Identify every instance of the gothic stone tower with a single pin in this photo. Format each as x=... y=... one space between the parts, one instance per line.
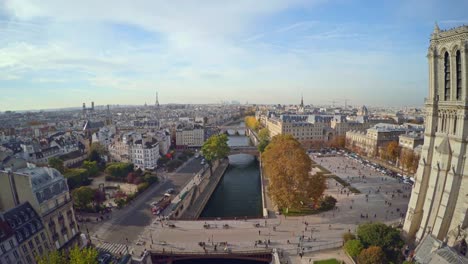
x=439 y=200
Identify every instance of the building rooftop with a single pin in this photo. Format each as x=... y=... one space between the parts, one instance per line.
x=46 y=182
x=24 y=220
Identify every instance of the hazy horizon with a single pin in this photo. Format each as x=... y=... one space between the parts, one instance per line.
x=59 y=54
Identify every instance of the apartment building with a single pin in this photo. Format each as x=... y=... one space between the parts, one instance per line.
x=47 y=191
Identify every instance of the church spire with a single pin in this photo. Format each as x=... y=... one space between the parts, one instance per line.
x=302 y=100
x=157 y=101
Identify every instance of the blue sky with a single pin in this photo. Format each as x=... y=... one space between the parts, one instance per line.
x=60 y=53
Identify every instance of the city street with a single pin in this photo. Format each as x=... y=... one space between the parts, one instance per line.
x=129 y=222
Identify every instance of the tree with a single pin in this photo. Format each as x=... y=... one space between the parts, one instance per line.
x=372 y=255
x=264 y=139
x=57 y=164
x=96 y=152
x=86 y=255
x=91 y=167
x=54 y=257
x=348 y=236
x=76 y=178
x=338 y=141
x=119 y=169
x=82 y=197
x=353 y=247
x=287 y=167
x=392 y=150
x=383 y=236
x=317 y=187
x=215 y=148
x=252 y=123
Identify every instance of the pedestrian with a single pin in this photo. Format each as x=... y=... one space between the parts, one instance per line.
x=258 y=232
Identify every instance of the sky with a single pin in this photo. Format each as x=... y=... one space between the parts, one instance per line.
x=61 y=53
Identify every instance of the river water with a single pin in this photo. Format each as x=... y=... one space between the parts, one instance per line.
x=238 y=193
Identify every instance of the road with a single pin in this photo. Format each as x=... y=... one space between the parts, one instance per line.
x=129 y=222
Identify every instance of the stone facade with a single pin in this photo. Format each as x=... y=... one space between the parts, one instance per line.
x=439 y=201
x=29 y=233
x=47 y=192
x=190 y=137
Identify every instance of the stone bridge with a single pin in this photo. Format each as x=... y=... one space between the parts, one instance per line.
x=251 y=150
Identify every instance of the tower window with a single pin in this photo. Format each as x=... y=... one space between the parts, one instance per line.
x=447 y=76
x=455 y=125
x=459 y=76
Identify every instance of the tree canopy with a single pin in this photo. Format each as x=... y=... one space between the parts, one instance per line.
x=91 y=167
x=119 y=169
x=252 y=122
x=96 y=151
x=57 y=164
x=372 y=255
x=216 y=147
x=76 y=177
x=385 y=237
x=264 y=138
x=353 y=247
x=76 y=255
x=82 y=196
x=287 y=167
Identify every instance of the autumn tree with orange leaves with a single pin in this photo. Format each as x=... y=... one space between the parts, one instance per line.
x=287 y=167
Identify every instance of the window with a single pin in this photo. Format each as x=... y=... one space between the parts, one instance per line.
x=459 y=76
x=40 y=250
x=447 y=76
x=12 y=245
x=28 y=259
x=43 y=236
x=455 y=126
x=37 y=240
x=31 y=245
x=2 y=247
x=25 y=249
x=15 y=253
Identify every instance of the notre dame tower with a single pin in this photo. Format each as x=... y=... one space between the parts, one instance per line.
x=439 y=200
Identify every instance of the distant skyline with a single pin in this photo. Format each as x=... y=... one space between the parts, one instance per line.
x=60 y=53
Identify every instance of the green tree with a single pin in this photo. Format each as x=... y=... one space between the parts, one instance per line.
x=76 y=178
x=86 y=255
x=264 y=134
x=264 y=139
x=96 y=152
x=82 y=197
x=287 y=167
x=348 y=236
x=54 y=257
x=91 y=167
x=57 y=164
x=353 y=247
x=119 y=169
x=372 y=255
x=215 y=148
x=383 y=236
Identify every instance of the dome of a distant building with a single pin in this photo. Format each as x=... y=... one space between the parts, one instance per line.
x=363 y=111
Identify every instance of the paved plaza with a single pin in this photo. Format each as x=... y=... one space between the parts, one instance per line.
x=379 y=200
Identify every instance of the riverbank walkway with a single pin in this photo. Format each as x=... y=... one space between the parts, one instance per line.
x=199 y=203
